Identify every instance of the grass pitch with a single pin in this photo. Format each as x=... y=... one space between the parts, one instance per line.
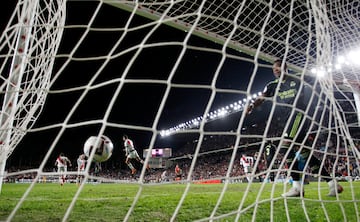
x=159 y=202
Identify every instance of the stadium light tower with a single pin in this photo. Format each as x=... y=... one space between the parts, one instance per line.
x=342 y=62
x=222 y=112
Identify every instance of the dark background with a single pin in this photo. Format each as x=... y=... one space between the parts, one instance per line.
x=137 y=103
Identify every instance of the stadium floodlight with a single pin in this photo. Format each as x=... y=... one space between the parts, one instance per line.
x=321 y=72
x=222 y=112
x=337 y=66
x=353 y=56
x=341 y=59
x=350 y=58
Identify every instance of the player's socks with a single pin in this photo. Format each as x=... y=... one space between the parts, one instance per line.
x=131 y=167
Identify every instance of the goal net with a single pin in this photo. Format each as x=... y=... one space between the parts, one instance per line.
x=181 y=75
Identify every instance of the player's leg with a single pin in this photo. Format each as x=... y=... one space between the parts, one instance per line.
x=64 y=174
x=79 y=177
x=297 y=187
x=141 y=161
x=315 y=164
x=61 y=175
x=248 y=173
x=128 y=162
x=272 y=174
x=269 y=156
x=138 y=157
x=334 y=187
x=292 y=134
x=78 y=180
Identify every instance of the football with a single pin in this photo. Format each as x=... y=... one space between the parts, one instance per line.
x=340 y=189
x=103 y=145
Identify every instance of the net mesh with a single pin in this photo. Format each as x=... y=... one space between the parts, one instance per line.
x=143 y=68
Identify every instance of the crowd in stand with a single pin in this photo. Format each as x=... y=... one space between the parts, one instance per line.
x=214 y=160
x=216 y=152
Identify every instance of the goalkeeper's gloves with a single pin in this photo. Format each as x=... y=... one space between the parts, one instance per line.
x=250 y=108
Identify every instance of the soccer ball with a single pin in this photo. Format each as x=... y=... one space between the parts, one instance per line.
x=104 y=148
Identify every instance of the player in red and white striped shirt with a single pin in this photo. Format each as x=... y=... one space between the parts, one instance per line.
x=81 y=163
x=131 y=153
x=62 y=162
x=247 y=163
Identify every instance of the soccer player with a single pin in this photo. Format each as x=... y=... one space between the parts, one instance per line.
x=81 y=163
x=62 y=162
x=163 y=176
x=131 y=153
x=270 y=150
x=178 y=172
x=290 y=93
x=246 y=163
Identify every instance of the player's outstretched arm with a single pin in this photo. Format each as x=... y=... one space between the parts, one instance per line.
x=257 y=102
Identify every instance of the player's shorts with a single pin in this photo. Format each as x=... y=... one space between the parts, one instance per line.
x=298 y=128
x=247 y=169
x=133 y=154
x=298 y=132
x=62 y=169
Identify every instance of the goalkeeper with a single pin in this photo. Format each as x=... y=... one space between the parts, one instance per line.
x=289 y=93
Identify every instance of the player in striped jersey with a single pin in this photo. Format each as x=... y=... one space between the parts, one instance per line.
x=131 y=153
x=81 y=164
x=62 y=162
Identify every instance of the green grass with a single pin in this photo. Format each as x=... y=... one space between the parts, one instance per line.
x=111 y=202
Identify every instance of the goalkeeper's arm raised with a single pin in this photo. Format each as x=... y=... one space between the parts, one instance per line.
x=257 y=102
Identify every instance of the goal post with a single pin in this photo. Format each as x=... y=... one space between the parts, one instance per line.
x=357 y=103
x=74 y=69
x=212 y=30
x=26 y=69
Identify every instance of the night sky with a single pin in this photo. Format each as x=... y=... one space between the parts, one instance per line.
x=137 y=103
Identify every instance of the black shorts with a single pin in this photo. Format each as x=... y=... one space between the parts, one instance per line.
x=298 y=128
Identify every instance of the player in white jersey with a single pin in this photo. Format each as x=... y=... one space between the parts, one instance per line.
x=81 y=164
x=62 y=162
x=163 y=176
x=246 y=162
x=131 y=153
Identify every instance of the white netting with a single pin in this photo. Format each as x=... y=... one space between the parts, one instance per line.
x=28 y=46
x=145 y=68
